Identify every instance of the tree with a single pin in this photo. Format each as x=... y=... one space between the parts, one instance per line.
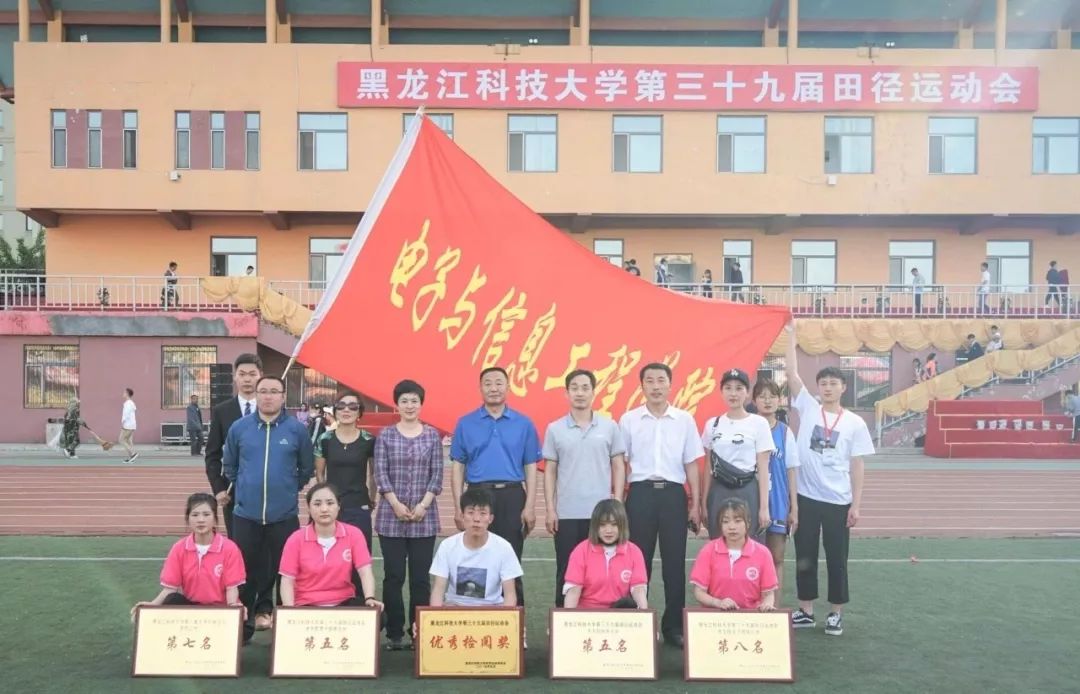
x=28 y=257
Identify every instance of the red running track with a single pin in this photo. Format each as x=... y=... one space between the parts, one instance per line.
x=113 y=500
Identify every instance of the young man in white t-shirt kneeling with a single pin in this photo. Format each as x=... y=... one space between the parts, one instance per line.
x=475 y=568
x=831 y=443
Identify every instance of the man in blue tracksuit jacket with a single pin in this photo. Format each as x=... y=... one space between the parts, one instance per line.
x=267 y=459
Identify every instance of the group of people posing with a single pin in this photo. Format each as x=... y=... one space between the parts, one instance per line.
x=613 y=492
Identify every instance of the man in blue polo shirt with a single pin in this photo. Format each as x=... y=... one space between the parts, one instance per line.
x=497 y=448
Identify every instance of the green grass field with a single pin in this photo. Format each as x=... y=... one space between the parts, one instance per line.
x=998 y=624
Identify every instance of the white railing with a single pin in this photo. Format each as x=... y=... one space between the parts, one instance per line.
x=38 y=292
x=305 y=293
x=896 y=301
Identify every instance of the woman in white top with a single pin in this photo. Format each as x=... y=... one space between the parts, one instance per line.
x=739 y=445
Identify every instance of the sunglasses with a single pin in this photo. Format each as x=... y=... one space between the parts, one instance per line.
x=351 y=406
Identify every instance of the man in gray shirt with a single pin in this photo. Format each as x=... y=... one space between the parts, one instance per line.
x=584 y=464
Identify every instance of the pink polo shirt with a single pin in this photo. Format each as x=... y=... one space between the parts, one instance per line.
x=324 y=580
x=744 y=581
x=203 y=580
x=604 y=581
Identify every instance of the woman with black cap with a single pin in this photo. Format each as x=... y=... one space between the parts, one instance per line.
x=738 y=444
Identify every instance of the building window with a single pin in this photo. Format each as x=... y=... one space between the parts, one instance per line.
x=1010 y=266
x=1055 y=146
x=445 y=121
x=532 y=143
x=252 y=123
x=849 y=145
x=1 y=187
x=217 y=139
x=740 y=252
x=50 y=375
x=324 y=259
x=303 y=385
x=813 y=263
x=869 y=379
x=740 y=144
x=231 y=255
x=907 y=255
x=93 y=139
x=953 y=145
x=183 y=139
x=324 y=141
x=185 y=370
x=1 y=153
x=610 y=250
x=59 y=139
x=31 y=225
x=637 y=144
x=131 y=139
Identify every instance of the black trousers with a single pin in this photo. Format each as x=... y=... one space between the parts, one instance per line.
x=571 y=533
x=829 y=522
x=509 y=503
x=261 y=545
x=399 y=554
x=196 y=442
x=359 y=518
x=227 y=515
x=918 y=302
x=658 y=511
x=1076 y=428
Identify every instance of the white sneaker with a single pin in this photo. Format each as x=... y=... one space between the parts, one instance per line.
x=834 y=624
x=132 y=458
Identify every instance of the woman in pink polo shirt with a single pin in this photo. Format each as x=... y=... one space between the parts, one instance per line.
x=318 y=559
x=204 y=568
x=733 y=572
x=606 y=570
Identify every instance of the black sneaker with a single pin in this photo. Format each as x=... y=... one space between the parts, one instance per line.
x=801 y=619
x=834 y=624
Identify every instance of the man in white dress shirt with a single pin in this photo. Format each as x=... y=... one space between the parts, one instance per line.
x=663 y=449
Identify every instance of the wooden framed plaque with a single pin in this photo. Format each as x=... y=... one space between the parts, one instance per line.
x=338 y=642
x=471 y=642
x=740 y=645
x=602 y=644
x=187 y=641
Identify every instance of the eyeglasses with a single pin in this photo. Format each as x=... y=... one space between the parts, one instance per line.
x=270 y=392
x=351 y=406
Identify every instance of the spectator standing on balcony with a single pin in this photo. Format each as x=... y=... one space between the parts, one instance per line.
x=632 y=268
x=918 y=286
x=127 y=425
x=736 y=281
x=195 y=425
x=995 y=342
x=973 y=350
x=919 y=374
x=662 y=276
x=1072 y=408
x=169 y=294
x=984 y=289
x=1053 y=281
x=706 y=284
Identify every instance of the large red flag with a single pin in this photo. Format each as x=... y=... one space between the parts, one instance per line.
x=449 y=273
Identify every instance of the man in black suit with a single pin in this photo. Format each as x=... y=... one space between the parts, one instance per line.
x=247 y=370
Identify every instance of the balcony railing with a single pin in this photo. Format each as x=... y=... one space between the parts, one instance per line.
x=39 y=292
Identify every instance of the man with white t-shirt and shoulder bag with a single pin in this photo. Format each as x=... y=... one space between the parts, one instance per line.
x=831 y=444
x=739 y=445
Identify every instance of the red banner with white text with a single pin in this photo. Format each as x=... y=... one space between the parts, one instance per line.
x=448 y=273
x=605 y=86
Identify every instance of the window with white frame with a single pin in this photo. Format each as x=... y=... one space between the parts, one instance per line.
x=182 y=160
x=637 y=144
x=953 y=145
x=532 y=143
x=324 y=259
x=740 y=144
x=1055 y=146
x=445 y=122
x=217 y=139
x=610 y=250
x=740 y=252
x=849 y=145
x=131 y=139
x=231 y=255
x=93 y=139
x=323 y=141
x=252 y=140
x=1010 y=266
x=59 y=139
x=906 y=255
x=813 y=263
